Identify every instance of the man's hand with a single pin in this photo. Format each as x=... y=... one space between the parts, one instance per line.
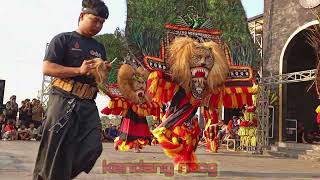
x=107 y=66
x=86 y=66
x=59 y=71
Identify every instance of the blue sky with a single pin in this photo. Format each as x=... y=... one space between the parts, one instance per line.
x=253 y=7
x=26 y=27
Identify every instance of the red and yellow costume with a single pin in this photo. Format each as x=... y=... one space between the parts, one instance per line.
x=192 y=72
x=196 y=71
x=133 y=105
x=318 y=115
x=134 y=128
x=248 y=129
x=178 y=133
x=211 y=129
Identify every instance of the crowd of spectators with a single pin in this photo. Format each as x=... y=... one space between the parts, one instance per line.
x=21 y=123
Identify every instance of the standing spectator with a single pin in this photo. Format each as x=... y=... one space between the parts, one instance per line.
x=23 y=113
x=28 y=110
x=11 y=110
x=37 y=112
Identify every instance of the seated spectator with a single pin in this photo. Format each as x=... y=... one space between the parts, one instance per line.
x=223 y=130
x=40 y=131
x=233 y=127
x=33 y=131
x=105 y=135
x=24 y=133
x=108 y=127
x=113 y=132
x=9 y=132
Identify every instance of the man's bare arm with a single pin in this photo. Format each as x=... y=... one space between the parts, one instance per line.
x=56 y=70
x=59 y=71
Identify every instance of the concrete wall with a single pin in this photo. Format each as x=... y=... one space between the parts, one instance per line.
x=281 y=19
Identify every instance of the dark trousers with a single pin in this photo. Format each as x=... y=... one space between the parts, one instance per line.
x=65 y=152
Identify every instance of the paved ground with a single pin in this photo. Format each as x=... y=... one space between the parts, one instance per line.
x=17 y=161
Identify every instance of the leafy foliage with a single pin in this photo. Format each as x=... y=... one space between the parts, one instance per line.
x=199 y=5
x=146 y=19
x=115 y=46
x=145 y=25
x=230 y=17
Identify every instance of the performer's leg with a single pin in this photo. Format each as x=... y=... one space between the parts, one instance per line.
x=87 y=153
x=52 y=160
x=89 y=145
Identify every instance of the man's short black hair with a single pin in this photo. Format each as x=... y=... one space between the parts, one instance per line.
x=96 y=7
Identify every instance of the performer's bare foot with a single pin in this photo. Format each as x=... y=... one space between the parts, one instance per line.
x=116 y=148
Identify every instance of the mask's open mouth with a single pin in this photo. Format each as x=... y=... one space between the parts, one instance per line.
x=199 y=72
x=140 y=93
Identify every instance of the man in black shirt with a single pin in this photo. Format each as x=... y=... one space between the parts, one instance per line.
x=28 y=112
x=23 y=113
x=11 y=110
x=71 y=139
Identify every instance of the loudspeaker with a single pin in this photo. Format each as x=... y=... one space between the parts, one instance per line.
x=2 y=85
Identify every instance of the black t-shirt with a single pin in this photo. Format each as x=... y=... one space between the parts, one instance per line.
x=70 y=49
x=22 y=114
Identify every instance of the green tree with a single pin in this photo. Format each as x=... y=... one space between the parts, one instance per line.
x=146 y=19
x=115 y=45
x=145 y=25
x=200 y=5
x=230 y=17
